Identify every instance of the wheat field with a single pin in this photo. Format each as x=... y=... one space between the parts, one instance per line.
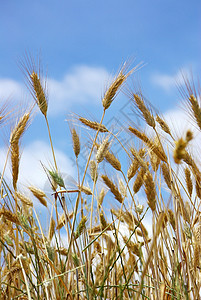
x=103 y=247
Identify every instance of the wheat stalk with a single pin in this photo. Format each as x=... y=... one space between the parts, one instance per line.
x=39 y=194
x=113 y=188
x=94 y=125
x=40 y=96
x=145 y=112
x=149 y=143
x=76 y=142
x=150 y=190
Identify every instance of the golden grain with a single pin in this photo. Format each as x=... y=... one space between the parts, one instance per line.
x=179 y=151
x=40 y=96
x=166 y=175
x=93 y=125
x=80 y=227
x=189 y=182
x=150 y=191
x=39 y=194
x=113 y=188
x=111 y=158
x=171 y=217
x=93 y=170
x=164 y=126
x=101 y=197
x=62 y=220
x=76 y=142
x=9 y=216
x=51 y=229
x=195 y=109
x=139 y=181
x=145 y=112
x=102 y=149
x=160 y=153
x=24 y=199
x=112 y=90
x=122 y=188
x=142 y=162
x=15 y=136
x=103 y=221
x=132 y=169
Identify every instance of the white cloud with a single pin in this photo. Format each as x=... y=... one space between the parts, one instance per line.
x=31 y=168
x=31 y=171
x=82 y=85
x=179 y=122
x=166 y=81
x=10 y=88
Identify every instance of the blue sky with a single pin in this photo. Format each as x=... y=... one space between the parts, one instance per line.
x=81 y=44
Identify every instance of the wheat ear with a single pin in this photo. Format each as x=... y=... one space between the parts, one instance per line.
x=93 y=125
x=16 y=134
x=113 y=188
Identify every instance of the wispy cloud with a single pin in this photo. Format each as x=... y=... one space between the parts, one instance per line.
x=166 y=81
x=81 y=85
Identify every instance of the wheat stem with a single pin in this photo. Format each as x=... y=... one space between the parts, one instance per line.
x=51 y=144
